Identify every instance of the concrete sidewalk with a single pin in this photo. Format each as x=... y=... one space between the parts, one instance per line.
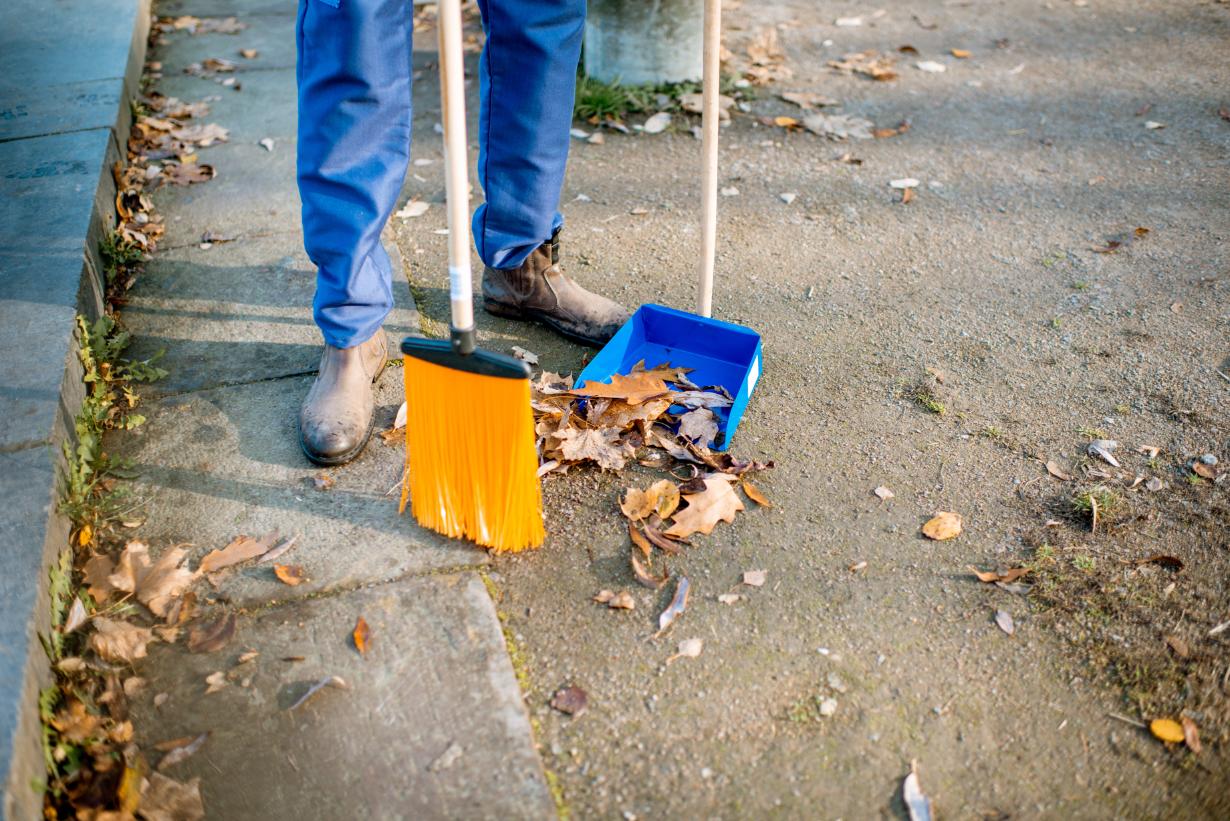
x=432 y=723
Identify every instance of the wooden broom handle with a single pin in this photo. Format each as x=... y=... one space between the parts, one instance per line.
x=456 y=182
x=709 y=150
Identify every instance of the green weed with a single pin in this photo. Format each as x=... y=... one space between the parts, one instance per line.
x=1084 y=562
x=1091 y=433
x=119 y=256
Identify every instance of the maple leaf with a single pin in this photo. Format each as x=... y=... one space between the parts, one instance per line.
x=155 y=584
x=623 y=415
x=716 y=503
x=164 y=799
x=633 y=388
x=600 y=445
x=119 y=641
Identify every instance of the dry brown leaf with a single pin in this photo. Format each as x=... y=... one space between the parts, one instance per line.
x=639 y=540
x=1058 y=472
x=211 y=636
x=755 y=495
x=97 y=573
x=119 y=641
x=807 y=100
x=602 y=446
x=622 y=601
x=187 y=173
x=1008 y=576
x=241 y=549
x=603 y=596
x=868 y=63
x=664 y=544
x=717 y=503
x=1168 y=730
x=249 y=53
x=622 y=415
x=636 y=504
x=1168 y=562
x=291 y=574
x=699 y=426
x=165 y=799
x=633 y=388
x=76 y=723
x=644 y=578
x=570 y=700
x=76 y=616
x=1191 y=735
x=157 y=584
x=362 y=636
x=1179 y=646
x=944 y=525
x=179 y=749
x=1204 y=471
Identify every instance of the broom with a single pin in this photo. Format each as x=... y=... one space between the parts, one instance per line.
x=471 y=463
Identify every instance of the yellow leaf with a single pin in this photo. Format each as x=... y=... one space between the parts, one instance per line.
x=786 y=122
x=1167 y=729
x=944 y=525
x=960 y=53
x=84 y=537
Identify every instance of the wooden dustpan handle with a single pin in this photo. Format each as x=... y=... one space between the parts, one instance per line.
x=709 y=151
x=457 y=187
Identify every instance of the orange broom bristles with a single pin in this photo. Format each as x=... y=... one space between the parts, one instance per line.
x=471 y=464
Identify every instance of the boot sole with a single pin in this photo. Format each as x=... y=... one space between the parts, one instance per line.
x=353 y=453
x=505 y=312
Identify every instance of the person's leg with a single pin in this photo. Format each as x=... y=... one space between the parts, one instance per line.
x=354 y=72
x=354 y=69
x=527 y=80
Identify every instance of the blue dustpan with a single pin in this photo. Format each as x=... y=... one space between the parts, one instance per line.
x=718 y=352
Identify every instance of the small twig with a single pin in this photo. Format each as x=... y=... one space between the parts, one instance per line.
x=1127 y=720
x=1221 y=628
x=1223 y=376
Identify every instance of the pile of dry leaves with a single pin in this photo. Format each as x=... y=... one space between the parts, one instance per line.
x=130 y=601
x=662 y=420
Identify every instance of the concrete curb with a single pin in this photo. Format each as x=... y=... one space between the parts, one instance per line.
x=66 y=78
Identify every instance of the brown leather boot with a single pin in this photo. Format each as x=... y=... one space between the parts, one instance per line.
x=336 y=419
x=539 y=291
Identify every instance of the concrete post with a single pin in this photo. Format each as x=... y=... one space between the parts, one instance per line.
x=639 y=42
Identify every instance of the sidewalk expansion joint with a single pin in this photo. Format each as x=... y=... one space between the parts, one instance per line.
x=214 y=386
x=343 y=590
x=16 y=447
x=58 y=132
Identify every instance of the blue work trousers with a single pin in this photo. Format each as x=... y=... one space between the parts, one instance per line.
x=354 y=71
